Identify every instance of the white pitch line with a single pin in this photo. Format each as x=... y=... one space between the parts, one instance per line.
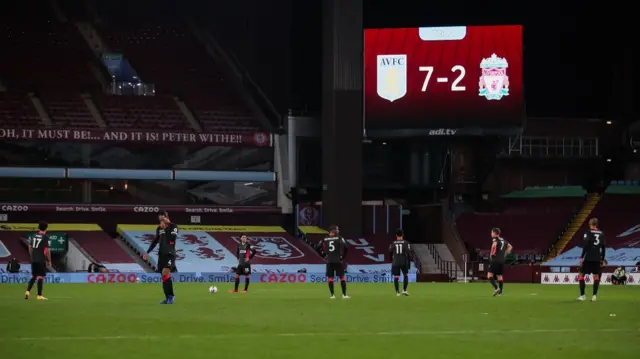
x=327 y=334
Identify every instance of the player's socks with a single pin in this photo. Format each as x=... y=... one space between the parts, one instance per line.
x=493 y=283
x=396 y=284
x=596 y=285
x=343 y=285
x=331 y=287
x=237 y=283
x=32 y=281
x=500 y=285
x=582 y=285
x=40 y=285
x=167 y=286
x=247 y=279
x=405 y=285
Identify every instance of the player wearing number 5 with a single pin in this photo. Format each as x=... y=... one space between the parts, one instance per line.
x=592 y=258
x=40 y=258
x=499 y=251
x=335 y=249
x=401 y=254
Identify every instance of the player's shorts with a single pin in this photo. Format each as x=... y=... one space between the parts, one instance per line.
x=335 y=270
x=167 y=262
x=496 y=268
x=591 y=268
x=38 y=269
x=243 y=269
x=399 y=269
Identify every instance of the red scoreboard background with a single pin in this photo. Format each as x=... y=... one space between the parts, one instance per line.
x=443 y=77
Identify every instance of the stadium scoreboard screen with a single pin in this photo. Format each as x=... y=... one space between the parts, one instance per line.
x=443 y=78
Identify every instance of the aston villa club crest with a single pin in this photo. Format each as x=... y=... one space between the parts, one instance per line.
x=392 y=76
x=494 y=82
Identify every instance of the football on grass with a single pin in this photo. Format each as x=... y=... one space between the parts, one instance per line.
x=213 y=289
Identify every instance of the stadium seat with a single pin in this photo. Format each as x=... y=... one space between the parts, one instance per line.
x=530 y=224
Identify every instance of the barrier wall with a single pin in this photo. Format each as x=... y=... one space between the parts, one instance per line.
x=125 y=278
x=572 y=278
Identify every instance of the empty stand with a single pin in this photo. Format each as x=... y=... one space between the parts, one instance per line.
x=163 y=52
x=44 y=53
x=101 y=247
x=530 y=225
x=68 y=110
x=13 y=243
x=154 y=112
x=16 y=110
x=617 y=214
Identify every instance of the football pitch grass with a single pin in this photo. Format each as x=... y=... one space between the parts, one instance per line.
x=300 y=321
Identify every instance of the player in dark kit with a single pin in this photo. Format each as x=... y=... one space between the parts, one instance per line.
x=335 y=249
x=245 y=254
x=499 y=251
x=592 y=259
x=166 y=236
x=401 y=255
x=40 y=258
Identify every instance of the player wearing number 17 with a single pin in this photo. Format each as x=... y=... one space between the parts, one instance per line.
x=335 y=249
x=592 y=258
x=40 y=257
x=401 y=253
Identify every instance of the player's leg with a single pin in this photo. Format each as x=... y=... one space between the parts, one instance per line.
x=343 y=280
x=395 y=272
x=247 y=277
x=237 y=283
x=330 y=279
x=581 y=282
x=39 y=272
x=405 y=284
x=167 y=284
x=596 y=280
x=492 y=279
x=500 y=283
x=32 y=281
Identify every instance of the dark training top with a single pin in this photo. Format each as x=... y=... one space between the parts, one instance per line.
x=245 y=253
x=335 y=248
x=39 y=244
x=401 y=252
x=167 y=239
x=594 y=247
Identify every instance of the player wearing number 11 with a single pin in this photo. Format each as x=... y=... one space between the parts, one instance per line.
x=401 y=255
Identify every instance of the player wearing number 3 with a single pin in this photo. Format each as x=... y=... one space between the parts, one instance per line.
x=335 y=250
x=592 y=259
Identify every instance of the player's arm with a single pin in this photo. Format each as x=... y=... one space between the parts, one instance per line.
x=509 y=248
x=173 y=238
x=47 y=252
x=252 y=252
x=603 y=249
x=238 y=252
x=494 y=248
x=585 y=248
x=152 y=245
x=345 y=248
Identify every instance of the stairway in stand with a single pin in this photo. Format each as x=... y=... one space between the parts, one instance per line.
x=577 y=222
